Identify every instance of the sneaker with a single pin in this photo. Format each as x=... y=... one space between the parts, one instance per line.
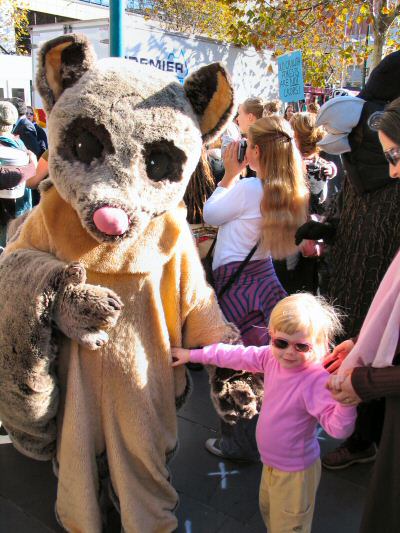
x=342 y=457
x=212 y=446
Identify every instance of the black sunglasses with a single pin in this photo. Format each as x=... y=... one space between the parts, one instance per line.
x=393 y=155
x=282 y=344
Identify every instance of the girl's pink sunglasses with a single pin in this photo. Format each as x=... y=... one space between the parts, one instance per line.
x=282 y=344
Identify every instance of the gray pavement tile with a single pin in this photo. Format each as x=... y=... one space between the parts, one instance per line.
x=199 y=407
x=14 y=519
x=192 y=463
x=339 y=505
x=197 y=517
x=24 y=480
x=236 y=494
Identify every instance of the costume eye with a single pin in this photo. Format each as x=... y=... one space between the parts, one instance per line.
x=88 y=147
x=158 y=165
x=164 y=161
x=86 y=141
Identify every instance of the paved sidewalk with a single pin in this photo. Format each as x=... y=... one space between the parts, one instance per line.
x=215 y=495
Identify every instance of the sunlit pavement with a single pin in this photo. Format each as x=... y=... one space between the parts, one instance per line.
x=215 y=495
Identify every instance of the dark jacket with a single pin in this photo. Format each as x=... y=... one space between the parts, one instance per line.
x=42 y=137
x=382 y=511
x=27 y=133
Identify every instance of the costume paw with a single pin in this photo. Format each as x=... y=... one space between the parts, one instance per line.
x=83 y=311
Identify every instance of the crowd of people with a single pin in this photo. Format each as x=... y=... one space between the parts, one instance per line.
x=280 y=237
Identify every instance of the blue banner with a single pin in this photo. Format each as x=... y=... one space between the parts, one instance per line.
x=290 y=77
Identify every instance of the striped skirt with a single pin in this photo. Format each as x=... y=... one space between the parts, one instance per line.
x=249 y=301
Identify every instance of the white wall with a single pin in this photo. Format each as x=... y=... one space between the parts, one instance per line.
x=66 y=8
x=16 y=73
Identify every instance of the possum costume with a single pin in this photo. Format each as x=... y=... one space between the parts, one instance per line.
x=102 y=278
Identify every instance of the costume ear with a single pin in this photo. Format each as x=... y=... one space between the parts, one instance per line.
x=210 y=91
x=62 y=62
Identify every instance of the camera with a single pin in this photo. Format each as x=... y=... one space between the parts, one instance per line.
x=242 y=150
x=315 y=171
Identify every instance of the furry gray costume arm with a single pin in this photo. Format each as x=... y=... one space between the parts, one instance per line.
x=49 y=291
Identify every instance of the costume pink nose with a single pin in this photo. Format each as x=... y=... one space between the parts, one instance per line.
x=111 y=220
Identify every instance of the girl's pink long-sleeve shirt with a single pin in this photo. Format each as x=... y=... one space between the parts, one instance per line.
x=295 y=400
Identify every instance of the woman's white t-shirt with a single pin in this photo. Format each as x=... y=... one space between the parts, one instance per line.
x=237 y=213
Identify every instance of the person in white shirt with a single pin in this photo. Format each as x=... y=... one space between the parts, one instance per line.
x=263 y=211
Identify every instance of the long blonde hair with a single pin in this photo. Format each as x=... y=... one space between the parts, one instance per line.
x=284 y=205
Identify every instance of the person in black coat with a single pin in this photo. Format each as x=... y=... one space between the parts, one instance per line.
x=25 y=129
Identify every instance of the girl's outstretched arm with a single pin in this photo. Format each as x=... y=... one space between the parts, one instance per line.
x=250 y=358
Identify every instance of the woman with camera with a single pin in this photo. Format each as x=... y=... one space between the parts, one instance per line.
x=317 y=169
x=257 y=217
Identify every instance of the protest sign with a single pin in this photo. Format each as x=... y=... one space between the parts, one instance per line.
x=290 y=77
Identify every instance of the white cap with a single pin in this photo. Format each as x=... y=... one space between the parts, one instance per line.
x=339 y=116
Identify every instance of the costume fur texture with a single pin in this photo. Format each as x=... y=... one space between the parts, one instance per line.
x=88 y=316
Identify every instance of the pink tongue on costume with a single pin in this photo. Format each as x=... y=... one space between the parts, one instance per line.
x=111 y=220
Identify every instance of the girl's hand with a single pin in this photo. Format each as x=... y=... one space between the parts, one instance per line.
x=335 y=383
x=346 y=395
x=180 y=356
x=336 y=358
x=232 y=166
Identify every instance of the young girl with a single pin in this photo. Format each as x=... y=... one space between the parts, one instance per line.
x=295 y=401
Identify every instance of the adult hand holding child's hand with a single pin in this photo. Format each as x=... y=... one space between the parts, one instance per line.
x=342 y=389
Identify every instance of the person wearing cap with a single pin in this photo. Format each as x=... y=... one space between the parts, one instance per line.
x=364 y=234
x=17 y=165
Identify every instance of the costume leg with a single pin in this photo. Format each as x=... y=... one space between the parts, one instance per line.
x=292 y=499
x=138 y=439
x=80 y=441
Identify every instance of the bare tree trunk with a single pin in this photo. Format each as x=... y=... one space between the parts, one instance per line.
x=379 y=41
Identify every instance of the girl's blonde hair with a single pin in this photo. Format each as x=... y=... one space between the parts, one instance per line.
x=284 y=205
x=308 y=313
x=307 y=133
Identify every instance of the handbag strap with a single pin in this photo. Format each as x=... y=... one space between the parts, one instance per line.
x=211 y=249
x=237 y=272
